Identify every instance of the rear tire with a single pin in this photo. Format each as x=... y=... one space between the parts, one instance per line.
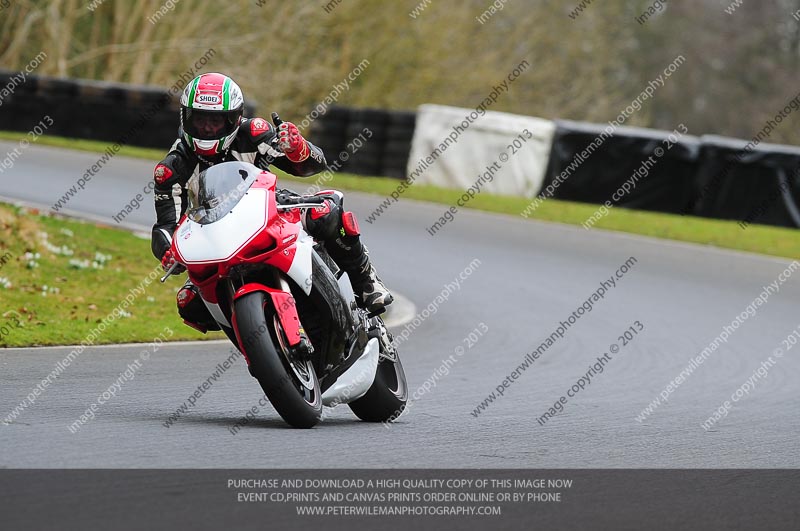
x=387 y=397
x=290 y=384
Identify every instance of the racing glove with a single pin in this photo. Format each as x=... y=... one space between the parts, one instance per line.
x=168 y=260
x=292 y=142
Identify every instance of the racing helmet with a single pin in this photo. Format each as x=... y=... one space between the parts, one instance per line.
x=211 y=111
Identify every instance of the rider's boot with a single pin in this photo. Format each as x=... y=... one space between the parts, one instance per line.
x=352 y=256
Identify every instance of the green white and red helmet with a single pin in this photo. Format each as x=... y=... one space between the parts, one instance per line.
x=211 y=111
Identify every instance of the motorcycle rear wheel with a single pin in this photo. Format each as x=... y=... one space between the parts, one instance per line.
x=291 y=385
x=387 y=397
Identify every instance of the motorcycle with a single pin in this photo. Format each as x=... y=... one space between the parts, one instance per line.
x=282 y=301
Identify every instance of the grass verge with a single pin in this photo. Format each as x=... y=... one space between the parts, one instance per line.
x=60 y=278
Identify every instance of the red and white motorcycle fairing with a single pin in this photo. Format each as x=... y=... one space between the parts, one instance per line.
x=255 y=231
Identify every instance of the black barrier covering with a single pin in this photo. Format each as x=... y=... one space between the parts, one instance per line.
x=329 y=132
x=400 y=499
x=365 y=141
x=135 y=115
x=666 y=188
x=365 y=138
x=752 y=184
x=399 y=135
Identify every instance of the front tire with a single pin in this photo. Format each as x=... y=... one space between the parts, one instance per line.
x=291 y=385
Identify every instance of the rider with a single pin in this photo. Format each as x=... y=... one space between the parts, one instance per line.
x=212 y=131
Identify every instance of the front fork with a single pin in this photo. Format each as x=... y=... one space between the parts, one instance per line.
x=283 y=302
x=302 y=346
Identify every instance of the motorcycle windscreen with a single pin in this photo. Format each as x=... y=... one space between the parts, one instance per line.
x=214 y=193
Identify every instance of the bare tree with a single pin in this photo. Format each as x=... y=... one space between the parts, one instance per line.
x=740 y=68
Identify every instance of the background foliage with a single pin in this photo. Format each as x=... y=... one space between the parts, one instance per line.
x=740 y=68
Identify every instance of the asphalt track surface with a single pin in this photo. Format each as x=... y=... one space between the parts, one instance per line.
x=530 y=276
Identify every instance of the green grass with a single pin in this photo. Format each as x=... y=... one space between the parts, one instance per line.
x=762 y=239
x=93 y=146
x=55 y=303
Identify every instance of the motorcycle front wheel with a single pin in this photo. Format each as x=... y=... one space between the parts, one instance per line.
x=291 y=384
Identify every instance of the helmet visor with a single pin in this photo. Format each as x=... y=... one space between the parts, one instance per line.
x=210 y=125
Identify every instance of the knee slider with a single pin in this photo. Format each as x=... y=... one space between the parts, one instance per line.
x=325 y=221
x=191 y=308
x=185 y=296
